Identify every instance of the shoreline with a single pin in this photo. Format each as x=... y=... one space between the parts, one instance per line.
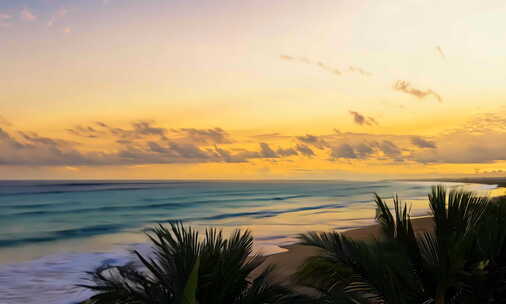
x=70 y=265
x=286 y=263
x=499 y=181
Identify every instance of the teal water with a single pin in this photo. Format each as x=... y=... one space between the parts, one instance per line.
x=53 y=231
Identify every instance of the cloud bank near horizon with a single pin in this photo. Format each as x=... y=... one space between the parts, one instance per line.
x=145 y=142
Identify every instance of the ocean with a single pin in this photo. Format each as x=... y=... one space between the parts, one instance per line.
x=52 y=232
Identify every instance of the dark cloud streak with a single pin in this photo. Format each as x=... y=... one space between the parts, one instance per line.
x=361 y=120
x=405 y=87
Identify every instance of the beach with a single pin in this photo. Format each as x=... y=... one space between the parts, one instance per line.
x=287 y=263
x=54 y=232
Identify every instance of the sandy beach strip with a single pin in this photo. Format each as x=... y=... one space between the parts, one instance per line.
x=287 y=263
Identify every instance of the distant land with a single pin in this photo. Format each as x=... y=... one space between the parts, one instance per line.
x=499 y=181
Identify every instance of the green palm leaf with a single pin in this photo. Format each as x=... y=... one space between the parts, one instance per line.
x=190 y=290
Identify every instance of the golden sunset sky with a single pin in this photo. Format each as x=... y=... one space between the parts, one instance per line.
x=256 y=89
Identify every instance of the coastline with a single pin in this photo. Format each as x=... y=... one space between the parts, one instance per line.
x=286 y=263
x=499 y=181
x=347 y=208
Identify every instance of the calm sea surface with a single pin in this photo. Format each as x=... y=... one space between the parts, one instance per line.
x=51 y=232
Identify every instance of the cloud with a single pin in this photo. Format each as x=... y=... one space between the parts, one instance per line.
x=85 y=131
x=146 y=128
x=143 y=131
x=26 y=15
x=364 y=150
x=313 y=140
x=205 y=136
x=326 y=67
x=286 y=152
x=318 y=64
x=343 y=151
x=30 y=149
x=484 y=123
x=440 y=52
x=481 y=140
x=404 y=86
x=8 y=140
x=139 y=129
x=359 y=70
x=361 y=120
x=267 y=152
x=465 y=149
x=228 y=157
x=305 y=150
x=422 y=143
x=360 y=151
x=390 y=149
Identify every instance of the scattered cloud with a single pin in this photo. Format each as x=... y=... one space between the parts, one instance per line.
x=85 y=131
x=326 y=67
x=319 y=64
x=359 y=70
x=305 y=150
x=313 y=140
x=422 y=143
x=228 y=157
x=205 y=136
x=143 y=142
x=361 y=120
x=390 y=149
x=465 y=149
x=384 y=149
x=267 y=152
x=286 y=152
x=404 y=86
x=139 y=129
x=343 y=151
x=364 y=150
x=144 y=128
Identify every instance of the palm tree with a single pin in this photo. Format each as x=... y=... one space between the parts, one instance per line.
x=491 y=249
x=187 y=269
x=447 y=265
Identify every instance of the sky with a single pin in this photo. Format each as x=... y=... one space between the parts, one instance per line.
x=258 y=89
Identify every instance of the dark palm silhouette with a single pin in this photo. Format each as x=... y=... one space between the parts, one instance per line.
x=222 y=272
x=461 y=261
